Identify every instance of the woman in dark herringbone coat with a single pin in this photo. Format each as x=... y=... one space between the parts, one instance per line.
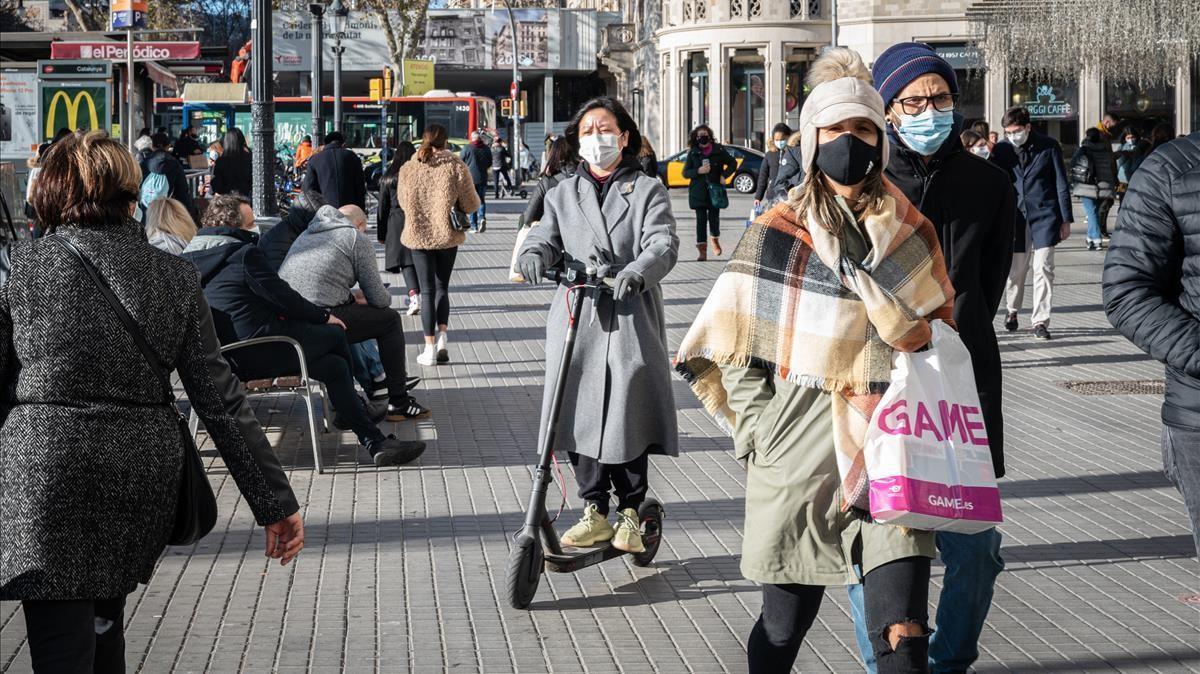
x=90 y=452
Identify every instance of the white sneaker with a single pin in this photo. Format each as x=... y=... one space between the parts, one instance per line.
x=414 y=305
x=443 y=356
x=427 y=356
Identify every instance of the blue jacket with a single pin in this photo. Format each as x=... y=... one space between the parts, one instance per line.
x=1043 y=191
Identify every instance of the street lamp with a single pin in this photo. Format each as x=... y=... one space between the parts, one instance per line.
x=514 y=89
x=338 y=14
x=262 y=110
x=318 y=50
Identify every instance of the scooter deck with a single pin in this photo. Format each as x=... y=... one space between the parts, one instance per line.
x=574 y=559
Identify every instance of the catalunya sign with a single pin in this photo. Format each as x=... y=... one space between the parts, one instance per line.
x=118 y=51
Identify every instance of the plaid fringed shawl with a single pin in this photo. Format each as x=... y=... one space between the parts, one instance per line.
x=791 y=302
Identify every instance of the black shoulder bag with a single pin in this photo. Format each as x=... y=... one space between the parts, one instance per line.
x=196 y=506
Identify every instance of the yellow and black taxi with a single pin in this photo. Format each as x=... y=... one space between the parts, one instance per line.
x=744 y=180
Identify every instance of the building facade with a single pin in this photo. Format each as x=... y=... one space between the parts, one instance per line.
x=739 y=67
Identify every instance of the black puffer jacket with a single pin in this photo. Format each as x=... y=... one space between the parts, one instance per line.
x=1104 y=170
x=1152 y=272
x=972 y=205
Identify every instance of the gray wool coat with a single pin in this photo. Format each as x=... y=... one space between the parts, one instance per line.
x=618 y=402
x=90 y=453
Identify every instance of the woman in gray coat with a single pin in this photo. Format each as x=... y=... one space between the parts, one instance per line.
x=618 y=406
x=90 y=452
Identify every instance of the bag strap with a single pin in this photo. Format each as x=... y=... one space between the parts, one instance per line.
x=121 y=312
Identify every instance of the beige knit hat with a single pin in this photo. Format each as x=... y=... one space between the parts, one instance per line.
x=841 y=89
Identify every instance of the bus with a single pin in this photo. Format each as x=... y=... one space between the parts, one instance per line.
x=363 y=118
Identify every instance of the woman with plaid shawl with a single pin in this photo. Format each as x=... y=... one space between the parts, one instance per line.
x=792 y=351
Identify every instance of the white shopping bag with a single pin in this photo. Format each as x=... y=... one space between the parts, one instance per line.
x=927 y=453
x=514 y=274
x=755 y=211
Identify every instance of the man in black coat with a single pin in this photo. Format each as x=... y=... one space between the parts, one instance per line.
x=478 y=159
x=187 y=145
x=1035 y=164
x=164 y=163
x=336 y=173
x=1152 y=295
x=248 y=299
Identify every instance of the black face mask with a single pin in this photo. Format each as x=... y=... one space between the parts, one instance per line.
x=703 y=140
x=847 y=160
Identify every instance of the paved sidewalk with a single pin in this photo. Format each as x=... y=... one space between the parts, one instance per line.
x=404 y=569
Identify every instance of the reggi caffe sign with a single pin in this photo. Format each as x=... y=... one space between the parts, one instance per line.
x=118 y=51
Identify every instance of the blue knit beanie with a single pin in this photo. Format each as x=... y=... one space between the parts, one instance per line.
x=902 y=63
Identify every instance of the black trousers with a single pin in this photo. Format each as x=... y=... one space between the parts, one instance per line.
x=708 y=222
x=364 y=322
x=628 y=480
x=328 y=358
x=1103 y=207
x=433 y=272
x=497 y=174
x=76 y=637
x=894 y=593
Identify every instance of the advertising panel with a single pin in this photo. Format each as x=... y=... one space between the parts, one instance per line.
x=129 y=13
x=18 y=112
x=117 y=51
x=73 y=105
x=418 y=77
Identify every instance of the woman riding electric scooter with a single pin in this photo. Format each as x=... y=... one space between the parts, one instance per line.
x=617 y=405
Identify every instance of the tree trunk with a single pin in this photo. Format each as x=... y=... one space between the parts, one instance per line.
x=82 y=17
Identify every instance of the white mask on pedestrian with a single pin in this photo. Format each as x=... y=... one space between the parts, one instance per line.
x=781 y=144
x=982 y=151
x=1017 y=138
x=600 y=150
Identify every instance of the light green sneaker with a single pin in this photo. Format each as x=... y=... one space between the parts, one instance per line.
x=592 y=528
x=628 y=537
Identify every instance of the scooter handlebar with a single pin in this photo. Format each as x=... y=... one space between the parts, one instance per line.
x=574 y=276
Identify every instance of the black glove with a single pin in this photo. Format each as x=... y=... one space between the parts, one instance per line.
x=628 y=284
x=532 y=267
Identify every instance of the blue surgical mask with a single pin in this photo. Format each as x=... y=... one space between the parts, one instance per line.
x=781 y=144
x=926 y=132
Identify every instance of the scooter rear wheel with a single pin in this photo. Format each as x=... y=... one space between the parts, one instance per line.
x=525 y=565
x=651 y=516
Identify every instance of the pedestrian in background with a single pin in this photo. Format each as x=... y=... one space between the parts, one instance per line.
x=478 y=159
x=769 y=170
x=985 y=132
x=1109 y=128
x=1151 y=288
x=501 y=160
x=975 y=144
x=336 y=173
x=1160 y=135
x=647 y=160
x=304 y=152
x=972 y=207
x=397 y=259
x=1034 y=163
x=233 y=170
x=1093 y=180
x=188 y=145
x=435 y=182
x=618 y=406
x=708 y=166
x=92 y=448
x=169 y=227
x=799 y=415
x=164 y=177
x=561 y=162
x=791 y=169
x=1129 y=158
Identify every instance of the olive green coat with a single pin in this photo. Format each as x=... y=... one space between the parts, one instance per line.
x=795 y=531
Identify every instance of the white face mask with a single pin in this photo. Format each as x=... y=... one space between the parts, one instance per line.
x=1017 y=138
x=781 y=144
x=982 y=151
x=600 y=150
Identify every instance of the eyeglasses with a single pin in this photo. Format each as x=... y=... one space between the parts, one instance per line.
x=915 y=105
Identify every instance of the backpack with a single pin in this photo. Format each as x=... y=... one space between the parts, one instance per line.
x=155 y=186
x=1082 y=171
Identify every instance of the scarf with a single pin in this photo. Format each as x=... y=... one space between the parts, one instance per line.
x=791 y=301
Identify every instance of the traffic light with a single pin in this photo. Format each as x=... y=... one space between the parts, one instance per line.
x=387 y=82
x=506 y=107
x=376 y=89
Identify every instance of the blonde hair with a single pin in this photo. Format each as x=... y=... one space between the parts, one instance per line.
x=836 y=63
x=168 y=215
x=88 y=180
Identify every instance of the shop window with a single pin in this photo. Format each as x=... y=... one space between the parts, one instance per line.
x=747 y=99
x=1140 y=107
x=1053 y=106
x=794 y=88
x=697 y=90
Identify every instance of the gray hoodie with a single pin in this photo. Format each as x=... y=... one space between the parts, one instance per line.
x=329 y=258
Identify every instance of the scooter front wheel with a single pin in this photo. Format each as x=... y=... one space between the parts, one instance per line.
x=651 y=517
x=525 y=565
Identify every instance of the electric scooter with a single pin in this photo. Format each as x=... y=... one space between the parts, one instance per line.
x=536 y=548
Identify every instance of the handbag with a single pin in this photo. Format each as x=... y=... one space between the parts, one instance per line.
x=196 y=505
x=718 y=198
x=514 y=273
x=927 y=454
x=459 y=220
